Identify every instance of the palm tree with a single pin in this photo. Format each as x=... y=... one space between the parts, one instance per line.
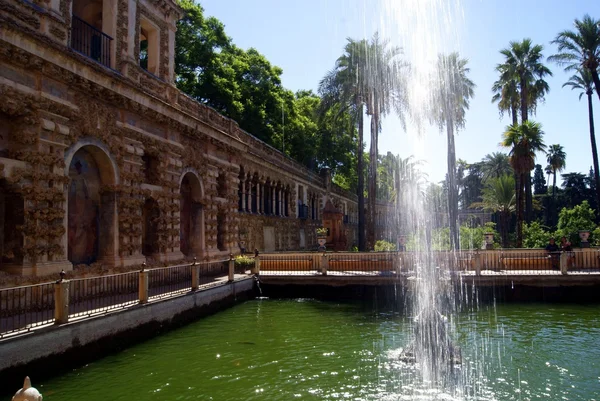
x=344 y=88
x=523 y=63
x=524 y=141
x=580 y=48
x=498 y=195
x=495 y=165
x=382 y=85
x=583 y=82
x=451 y=92
x=506 y=93
x=557 y=160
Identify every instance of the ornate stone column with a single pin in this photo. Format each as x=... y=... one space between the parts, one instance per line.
x=259 y=206
x=243 y=194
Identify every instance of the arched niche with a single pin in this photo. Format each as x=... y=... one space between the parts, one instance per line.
x=11 y=217
x=191 y=215
x=91 y=206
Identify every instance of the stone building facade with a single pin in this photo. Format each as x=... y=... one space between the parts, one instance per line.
x=104 y=160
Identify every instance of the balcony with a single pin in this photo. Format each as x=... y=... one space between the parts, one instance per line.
x=90 y=42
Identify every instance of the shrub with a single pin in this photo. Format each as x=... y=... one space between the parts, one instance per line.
x=243 y=262
x=383 y=246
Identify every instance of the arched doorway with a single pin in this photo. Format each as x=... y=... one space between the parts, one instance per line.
x=151 y=216
x=91 y=210
x=11 y=217
x=191 y=218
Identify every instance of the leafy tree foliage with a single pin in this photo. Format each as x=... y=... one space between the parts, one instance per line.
x=570 y=221
x=539 y=182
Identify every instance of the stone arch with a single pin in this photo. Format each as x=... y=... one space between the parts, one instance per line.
x=150 y=226
x=101 y=151
x=92 y=229
x=12 y=215
x=191 y=215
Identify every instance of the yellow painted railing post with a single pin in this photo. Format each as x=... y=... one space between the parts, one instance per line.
x=256 y=268
x=231 y=268
x=195 y=275
x=564 y=262
x=477 y=260
x=61 y=300
x=324 y=263
x=143 y=285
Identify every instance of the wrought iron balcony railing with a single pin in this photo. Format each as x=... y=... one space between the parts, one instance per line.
x=90 y=42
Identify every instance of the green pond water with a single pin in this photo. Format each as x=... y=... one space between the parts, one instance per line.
x=312 y=350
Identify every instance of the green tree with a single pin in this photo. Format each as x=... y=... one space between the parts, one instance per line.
x=524 y=63
x=498 y=195
x=524 y=141
x=557 y=160
x=570 y=221
x=580 y=48
x=506 y=93
x=344 y=88
x=241 y=84
x=535 y=235
x=451 y=91
x=539 y=182
x=495 y=165
x=384 y=91
x=583 y=82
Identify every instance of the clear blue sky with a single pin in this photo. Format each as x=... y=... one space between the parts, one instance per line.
x=306 y=37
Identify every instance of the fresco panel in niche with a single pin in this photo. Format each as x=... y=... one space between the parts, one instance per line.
x=84 y=204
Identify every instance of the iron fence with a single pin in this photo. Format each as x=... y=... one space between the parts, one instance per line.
x=89 y=296
x=168 y=281
x=23 y=308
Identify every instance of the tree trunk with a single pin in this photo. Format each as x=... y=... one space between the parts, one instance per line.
x=452 y=190
x=515 y=117
x=520 y=205
x=361 y=184
x=523 y=84
x=594 y=149
x=596 y=80
x=372 y=177
x=528 y=198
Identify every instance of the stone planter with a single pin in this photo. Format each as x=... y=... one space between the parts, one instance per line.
x=489 y=240
x=584 y=235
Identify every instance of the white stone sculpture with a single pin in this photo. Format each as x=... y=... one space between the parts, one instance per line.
x=27 y=393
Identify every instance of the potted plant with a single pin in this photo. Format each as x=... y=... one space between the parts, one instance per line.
x=489 y=240
x=584 y=235
x=321 y=237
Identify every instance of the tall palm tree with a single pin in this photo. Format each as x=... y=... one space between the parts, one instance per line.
x=583 y=81
x=580 y=48
x=506 y=93
x=524 y=141
x=524 y=63
x=495 y=165
x=344 y=87
x=450 y=95
x=382 y=86
x=498 y=195
x=557 y=160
